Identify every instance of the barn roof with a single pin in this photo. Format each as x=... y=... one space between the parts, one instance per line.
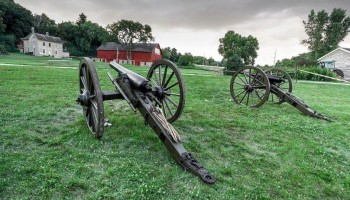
x=45 y=38
x=140 y=47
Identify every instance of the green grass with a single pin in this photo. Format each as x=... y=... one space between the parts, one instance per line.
x=274 y=152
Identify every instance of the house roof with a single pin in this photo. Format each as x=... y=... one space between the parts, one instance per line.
x=140 y=47
x=45 y=38
x=347 y=50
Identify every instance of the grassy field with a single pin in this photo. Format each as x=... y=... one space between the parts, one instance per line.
x=274 y=152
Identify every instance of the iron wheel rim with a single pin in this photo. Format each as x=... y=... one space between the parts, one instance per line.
x=94 y=110
x=166 y=77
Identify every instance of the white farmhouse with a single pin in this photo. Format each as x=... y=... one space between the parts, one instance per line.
x=43 y=45
x=339 y=59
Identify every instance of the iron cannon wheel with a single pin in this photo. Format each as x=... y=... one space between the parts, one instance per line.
x=286 y=85
x=250 y=86
x=170 y=88
x=90 y=90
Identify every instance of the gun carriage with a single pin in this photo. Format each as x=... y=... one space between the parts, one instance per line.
x=252 y=87
x=159 y=98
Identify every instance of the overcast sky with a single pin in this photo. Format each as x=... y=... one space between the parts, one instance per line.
x=196 y=25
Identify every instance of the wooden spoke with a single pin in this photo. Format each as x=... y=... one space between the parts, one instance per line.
x=167 y=105
x=171 y=75
x=171 y=101
x=240 y=93
x=160 y=75
x=171 y=86
x=164 y=77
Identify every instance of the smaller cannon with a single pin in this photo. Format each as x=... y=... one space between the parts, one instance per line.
x=160 y=99
x=253 y=87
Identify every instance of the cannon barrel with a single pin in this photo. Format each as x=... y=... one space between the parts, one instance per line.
x=136 y=80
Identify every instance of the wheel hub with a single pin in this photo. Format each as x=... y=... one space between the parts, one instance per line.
x=248 y=88
x=84 y=98
x=160 y=92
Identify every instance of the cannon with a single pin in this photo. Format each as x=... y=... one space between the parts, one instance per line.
x=252 y=87
x=159 y=98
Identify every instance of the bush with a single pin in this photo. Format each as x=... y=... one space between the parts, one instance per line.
x=9 y=43
x=318 y=70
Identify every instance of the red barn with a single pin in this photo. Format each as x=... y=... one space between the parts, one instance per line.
x=142 y=54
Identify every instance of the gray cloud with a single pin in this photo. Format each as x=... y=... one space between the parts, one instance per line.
x=188 y=14
x=196 y=25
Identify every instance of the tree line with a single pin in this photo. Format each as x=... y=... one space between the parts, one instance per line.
x=324 y=30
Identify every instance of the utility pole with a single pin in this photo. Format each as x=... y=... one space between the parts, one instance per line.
x=274 y=58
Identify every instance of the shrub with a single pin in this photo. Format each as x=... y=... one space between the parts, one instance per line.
x=318 y=70
x=9 y=43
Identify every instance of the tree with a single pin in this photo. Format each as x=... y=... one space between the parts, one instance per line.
x=17 y=19
x=91 y=35
x=166 y=53
x=82 y=19
x=337 y=29
x=42 y=24
x=2 y=25
x=238 y=50
x=82 y=39
x=212 y=62
x=325 y=31
x=174 y=55
x=200 y=60
x=127 y=32
x=186 y=59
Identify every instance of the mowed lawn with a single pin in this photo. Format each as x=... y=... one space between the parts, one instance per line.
x=274 y=152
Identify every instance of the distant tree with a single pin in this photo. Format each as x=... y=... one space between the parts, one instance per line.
x=42 y=24
x=166 y=53
x=91 y=36
x=174 y=55
x=212 y=62
x=68 y=31
x=127 y=32
x=300 y=60
x=337 y=28
x=2 y=25
x=16 y=19
x=200 y=60
x=82 y=39
x=238 y=50
x=82 y=19
x=186 y=59
x=325 y=31
x=286 y=63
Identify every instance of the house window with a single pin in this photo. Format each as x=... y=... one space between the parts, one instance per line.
x=43 y=43
x=56 y=52
x=49 y=44
x=43 y=50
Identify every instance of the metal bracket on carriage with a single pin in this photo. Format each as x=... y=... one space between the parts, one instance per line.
x=106 y=123
x=190 y=163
